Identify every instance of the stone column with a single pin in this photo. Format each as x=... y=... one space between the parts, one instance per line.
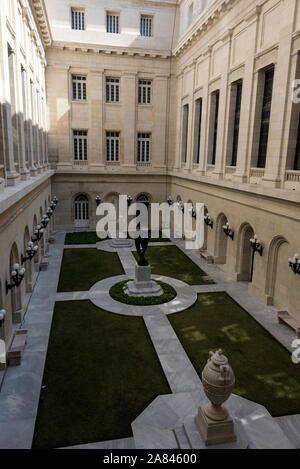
x=160 y=100
x=21 y=110
x=59 y=112
x=272 y=176
x=12 y=177
x=177 y=162
x=205 y=114
x=95 y=133
x=223 y=106
x=244 y=146
x=129 y=101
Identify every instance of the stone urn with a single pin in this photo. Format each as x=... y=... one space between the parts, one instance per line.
x=218 y=381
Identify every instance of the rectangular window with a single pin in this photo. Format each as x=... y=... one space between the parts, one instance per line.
x=296 y=166
x=80 y=145
x=216 y=97
x=144 y=148
x=79 y=88
x=145 y=92
x=236 y=128
x=112 y=90
x=265 y=118
x=113 y=146
x=185 y=123
x=198 y=121
x=146 y=26
x=78 y=19
x=112 y=23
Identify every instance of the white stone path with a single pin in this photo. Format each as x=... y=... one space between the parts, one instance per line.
x=21 y=387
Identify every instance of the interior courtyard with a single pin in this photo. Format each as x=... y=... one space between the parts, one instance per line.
x=175 y=102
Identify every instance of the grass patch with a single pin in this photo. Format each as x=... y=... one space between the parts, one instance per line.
x=263 y=368
x=82 y=237
x=117 y=293
x=81 y=268
x=172 y=262
x=101 y=372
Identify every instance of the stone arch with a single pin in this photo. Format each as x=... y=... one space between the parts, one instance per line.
x=15 y=293
x=28 y=264
x=244 y=257
x=221 y=240
x=273 y=278
x=81 y=209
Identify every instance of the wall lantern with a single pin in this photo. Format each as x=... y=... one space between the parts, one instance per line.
x=38 y=234
x=44 y=221
x=129 y=200
x=98 y=200
x=295 y=264
x=256 y=245
x=208 y=221
x=49 y=212
x=180 y=205
x=31 y=252
x=169 y=201
x=54 y=202
x=192 y=211
x=2 y=317
x=228 y=231
x=17 y=276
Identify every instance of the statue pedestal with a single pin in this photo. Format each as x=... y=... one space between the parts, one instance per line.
x=121 y=243
x=215 y=432
x=143 y=285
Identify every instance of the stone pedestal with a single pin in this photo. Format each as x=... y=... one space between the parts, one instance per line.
x=143 y=285
x=215 y=432
x=121 y=243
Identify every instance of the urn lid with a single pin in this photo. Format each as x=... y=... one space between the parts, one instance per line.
x=218 y=358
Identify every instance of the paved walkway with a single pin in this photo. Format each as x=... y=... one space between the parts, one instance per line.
x=20 y=391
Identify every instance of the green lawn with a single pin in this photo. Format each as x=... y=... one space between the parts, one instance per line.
x=90 y=237
x=263 y=368
x=82 y=237
x=172 y=262
x=101 y=372
x=81 y=268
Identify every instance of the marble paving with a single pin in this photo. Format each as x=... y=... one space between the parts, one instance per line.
x=165 y=422
x=20 y=392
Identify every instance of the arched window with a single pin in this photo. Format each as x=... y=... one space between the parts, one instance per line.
x=81 y=211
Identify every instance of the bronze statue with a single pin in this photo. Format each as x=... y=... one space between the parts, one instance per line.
x=141 y=245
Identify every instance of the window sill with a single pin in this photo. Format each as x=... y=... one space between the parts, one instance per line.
x=80 y=101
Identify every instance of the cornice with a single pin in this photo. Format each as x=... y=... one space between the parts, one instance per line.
x=107 y=50
x=40 y=13
x=207 y=20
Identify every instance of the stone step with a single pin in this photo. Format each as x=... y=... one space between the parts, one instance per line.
x=181 y=438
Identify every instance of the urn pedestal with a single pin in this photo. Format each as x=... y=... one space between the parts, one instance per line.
x=213 y=421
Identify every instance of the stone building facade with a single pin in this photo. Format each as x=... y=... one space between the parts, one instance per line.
x=190 y=98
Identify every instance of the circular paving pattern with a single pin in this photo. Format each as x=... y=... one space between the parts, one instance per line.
x=99 y=296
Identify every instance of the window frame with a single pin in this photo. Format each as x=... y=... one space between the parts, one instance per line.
x=113 y=14
x=110 y=141
x=144 y=144
x=83 y=82
x=144 y=88
x=145 y=17
x=80 y=144
x=108 y=89
x=81 y=11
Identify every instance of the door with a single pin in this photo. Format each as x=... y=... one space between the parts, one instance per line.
x=81 y=212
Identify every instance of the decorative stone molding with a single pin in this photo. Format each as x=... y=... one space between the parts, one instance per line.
x=112 y=51
x=212 y=15
x=40 y=13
